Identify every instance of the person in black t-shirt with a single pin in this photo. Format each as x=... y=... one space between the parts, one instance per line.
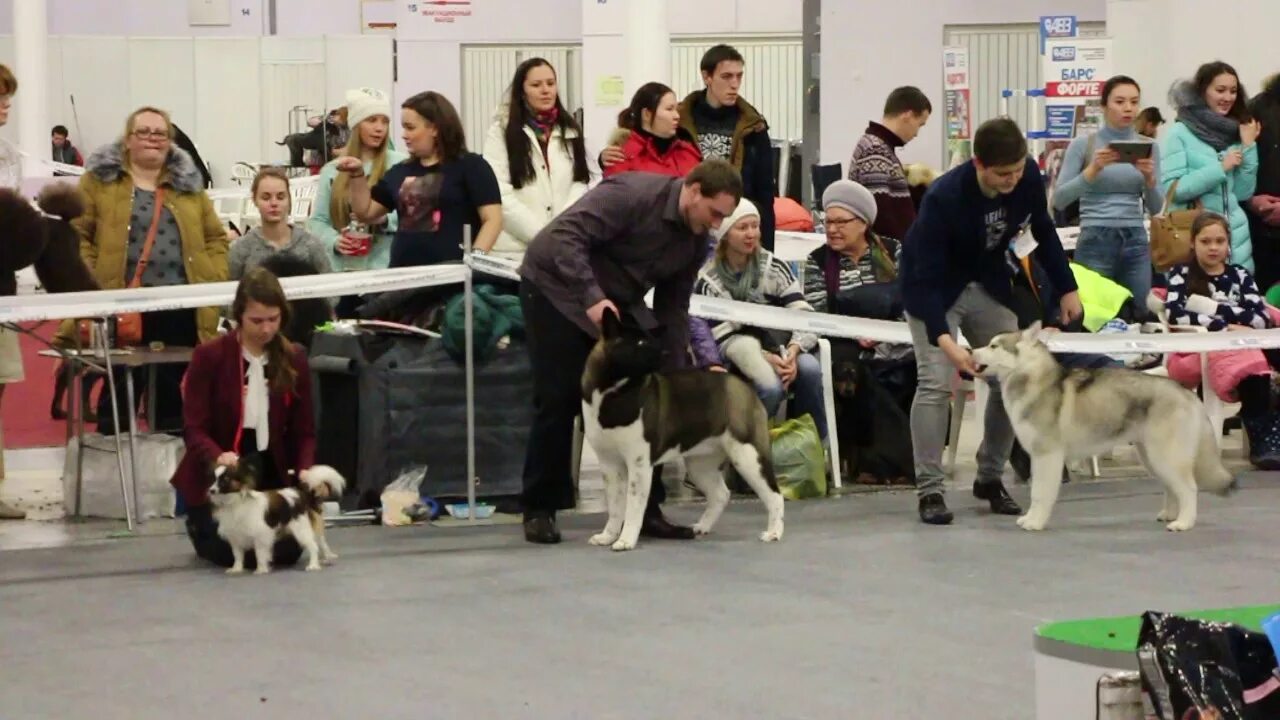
x=438 y=191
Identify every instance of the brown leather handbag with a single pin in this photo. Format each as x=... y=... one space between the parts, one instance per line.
x=128 y=326
x=1171 y=233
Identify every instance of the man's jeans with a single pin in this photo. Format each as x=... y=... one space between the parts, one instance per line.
x=980 y=317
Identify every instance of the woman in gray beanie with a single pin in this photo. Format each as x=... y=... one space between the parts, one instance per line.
x=854 y=254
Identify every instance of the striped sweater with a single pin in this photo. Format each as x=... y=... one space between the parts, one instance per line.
x=778 y=287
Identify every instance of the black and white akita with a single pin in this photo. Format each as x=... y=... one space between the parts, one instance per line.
x=636 y=417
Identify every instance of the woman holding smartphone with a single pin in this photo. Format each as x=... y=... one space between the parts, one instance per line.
x=1116 y=183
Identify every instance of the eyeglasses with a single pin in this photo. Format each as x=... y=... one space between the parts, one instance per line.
x=841 y=223
x=145 y=134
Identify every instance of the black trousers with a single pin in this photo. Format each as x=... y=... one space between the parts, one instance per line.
x=174 y=328
x=558 y=351
x=202 y=529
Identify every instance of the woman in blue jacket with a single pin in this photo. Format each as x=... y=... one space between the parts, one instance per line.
x=1211 y=151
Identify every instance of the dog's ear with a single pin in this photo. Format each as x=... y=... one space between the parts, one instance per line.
x=1033 y=331
x=610 y=324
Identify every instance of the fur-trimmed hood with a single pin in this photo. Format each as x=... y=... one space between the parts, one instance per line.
x=180 y=171
x=1182 y=94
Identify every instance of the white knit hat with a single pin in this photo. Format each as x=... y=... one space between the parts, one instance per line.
x=745 y=209
x=365 y=103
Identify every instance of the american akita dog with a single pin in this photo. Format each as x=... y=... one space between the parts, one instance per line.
x=1060 y=414
x=636 y=417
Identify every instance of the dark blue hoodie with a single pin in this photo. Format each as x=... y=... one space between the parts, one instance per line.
x=961 y=236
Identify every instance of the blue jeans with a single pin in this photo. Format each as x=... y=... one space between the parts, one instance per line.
x=1122 y=254
x=744 y=353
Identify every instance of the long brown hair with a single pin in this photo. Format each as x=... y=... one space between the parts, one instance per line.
x=1197 y=278
x=261 y=286
x=519 y=149
x=451 y=140
x=339 y=202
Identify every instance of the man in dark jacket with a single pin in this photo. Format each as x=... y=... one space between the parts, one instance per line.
x=633 y=233
x=955 y=276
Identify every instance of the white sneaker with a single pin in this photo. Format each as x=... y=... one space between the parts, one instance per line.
x=9 y=512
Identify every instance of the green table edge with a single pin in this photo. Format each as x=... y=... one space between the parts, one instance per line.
x=1112 y=641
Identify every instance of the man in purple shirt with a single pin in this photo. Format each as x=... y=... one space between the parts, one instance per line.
x=633 y=233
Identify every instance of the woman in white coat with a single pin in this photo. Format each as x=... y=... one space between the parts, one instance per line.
x=537 y=151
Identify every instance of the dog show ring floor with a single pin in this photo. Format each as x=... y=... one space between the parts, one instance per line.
x=861 y=611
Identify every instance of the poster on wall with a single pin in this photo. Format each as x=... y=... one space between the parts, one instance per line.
x=1074 y=72
x=441 y=11
x=955 y=73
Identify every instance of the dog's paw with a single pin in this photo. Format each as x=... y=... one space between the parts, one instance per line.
x=235 y=570
x=1179 y=526
x=602 y=539
x=701 y=529
x=623 y=545
x=771 y=535
x=1031 y=522
x=329 y=559
x=1164 y=516
x=262 y=571
x=314 y=567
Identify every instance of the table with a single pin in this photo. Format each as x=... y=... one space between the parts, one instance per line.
x=1070 y=656
x=130 y=358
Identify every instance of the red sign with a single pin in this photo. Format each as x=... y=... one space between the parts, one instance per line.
x=1074 y=88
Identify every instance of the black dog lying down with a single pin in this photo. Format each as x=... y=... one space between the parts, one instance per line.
x=873 y=428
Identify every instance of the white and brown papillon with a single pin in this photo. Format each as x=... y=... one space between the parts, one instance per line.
x=252 y=519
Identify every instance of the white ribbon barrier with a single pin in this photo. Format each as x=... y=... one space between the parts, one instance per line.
x=103 y=303
x=775 y=318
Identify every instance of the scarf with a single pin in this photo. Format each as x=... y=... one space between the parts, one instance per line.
x=742 y=286
x=881 y=264
x=543 y=123
x=1217 y=131
x=257 y=399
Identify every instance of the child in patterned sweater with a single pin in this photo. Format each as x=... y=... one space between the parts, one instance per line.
x=1212 y=293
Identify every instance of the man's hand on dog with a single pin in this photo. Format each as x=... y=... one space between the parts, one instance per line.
x=958 y=356
x=596 y=312
x=1070 y=308
x=228 y=459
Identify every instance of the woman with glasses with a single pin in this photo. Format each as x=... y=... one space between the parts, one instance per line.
x=149 y=223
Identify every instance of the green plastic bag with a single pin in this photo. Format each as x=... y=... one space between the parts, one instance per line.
x=798 y=459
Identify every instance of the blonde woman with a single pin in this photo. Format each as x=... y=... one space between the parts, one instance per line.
x=148 y=218
x=369 y=116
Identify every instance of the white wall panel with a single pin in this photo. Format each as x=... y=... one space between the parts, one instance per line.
x=176 y=92
x=772 y=78
x=228 y=103
x=95 y=70
x=293 y=75
x=356 y=61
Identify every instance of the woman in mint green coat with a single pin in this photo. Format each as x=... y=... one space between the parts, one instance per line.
x=1211 y=151
x=369 y=117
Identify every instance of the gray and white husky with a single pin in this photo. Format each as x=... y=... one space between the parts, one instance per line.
x=636 y=417
x=1059 y=414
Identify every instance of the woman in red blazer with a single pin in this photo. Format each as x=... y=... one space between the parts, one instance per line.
x=246 y=398
x=651 y=137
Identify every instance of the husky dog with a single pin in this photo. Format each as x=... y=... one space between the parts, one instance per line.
x=636 y=417
x=1059 y=414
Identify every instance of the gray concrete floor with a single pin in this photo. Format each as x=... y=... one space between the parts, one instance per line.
x=860 y=612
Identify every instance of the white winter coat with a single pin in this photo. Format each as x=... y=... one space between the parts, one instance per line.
x=527 y=210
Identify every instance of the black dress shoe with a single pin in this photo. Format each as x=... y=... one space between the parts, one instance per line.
x=933 y=510
x=540 y=528
x=994 y=493
x=657 y=526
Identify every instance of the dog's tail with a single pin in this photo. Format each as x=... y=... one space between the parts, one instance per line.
x=1209 y=471
x=324 y=482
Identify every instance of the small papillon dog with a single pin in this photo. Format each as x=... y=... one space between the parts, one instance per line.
x=251 y=519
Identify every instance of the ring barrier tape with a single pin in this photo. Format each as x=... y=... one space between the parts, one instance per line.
x=103 y=303
x=774 y=318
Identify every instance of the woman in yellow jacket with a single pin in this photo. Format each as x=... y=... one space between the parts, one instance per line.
x=122 y=184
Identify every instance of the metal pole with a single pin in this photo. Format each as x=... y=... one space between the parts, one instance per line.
x=470 y=371
x=133 y=443
x=77 y=378
x=100 y=331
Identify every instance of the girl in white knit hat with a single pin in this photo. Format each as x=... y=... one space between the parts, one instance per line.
x=777 y=364
x=357 y=248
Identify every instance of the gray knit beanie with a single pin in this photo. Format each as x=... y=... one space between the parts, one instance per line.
x=851 y=196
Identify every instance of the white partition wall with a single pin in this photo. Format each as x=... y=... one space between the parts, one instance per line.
x=174 y=59
x=228 y=103
x=293 y=76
